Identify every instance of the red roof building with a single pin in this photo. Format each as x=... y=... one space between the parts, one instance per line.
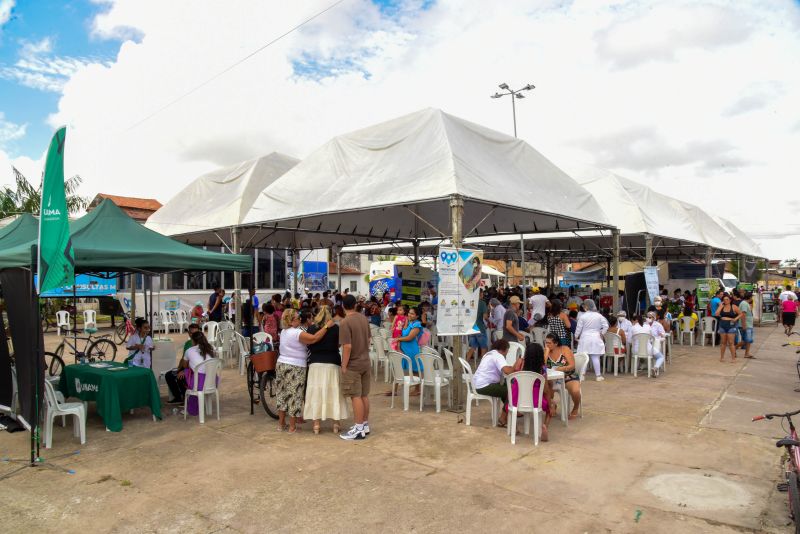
x=139 y=209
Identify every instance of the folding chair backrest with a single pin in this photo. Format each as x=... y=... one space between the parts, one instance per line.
x=62 y=318
x=181 y=315
x=539 y=334
x=448 y=356
x=89 y=316
x=210 y=330
x=641 y=344
x=432 y=364
x=384 y=333
x=380 y=348
x=396 y=359
x=210 y=368
x=525 y=381
x=466 y=372
x=429 y=350
x=515 y=351
x=50 y=396
x=613 y=341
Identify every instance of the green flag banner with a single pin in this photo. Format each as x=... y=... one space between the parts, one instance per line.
x=56 y=258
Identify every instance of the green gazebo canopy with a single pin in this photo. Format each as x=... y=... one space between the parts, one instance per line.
x=23 y=229
x=107 y=239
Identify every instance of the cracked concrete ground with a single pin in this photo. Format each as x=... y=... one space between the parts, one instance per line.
x=673 y=454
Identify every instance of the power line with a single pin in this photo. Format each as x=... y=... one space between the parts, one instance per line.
x=234 y=65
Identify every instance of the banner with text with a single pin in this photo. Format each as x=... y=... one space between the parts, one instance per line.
x=459 y=286
x=651 y=281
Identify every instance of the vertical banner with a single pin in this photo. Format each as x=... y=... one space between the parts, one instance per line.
x=459 y=286
x=706 y=287
x=56 y=258
x=651 y=281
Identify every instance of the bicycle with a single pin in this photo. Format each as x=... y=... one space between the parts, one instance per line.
x=261 y=375
x=795 y=344
x=124 y=330
x=792 y=469
x=101 y=348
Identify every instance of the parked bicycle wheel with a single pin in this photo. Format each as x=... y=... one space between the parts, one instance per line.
x=102 y=349
x=60 y=351
x=45 y=324
x=268 y=393
x=794 y=500
x=54 y=365
x=121 y=334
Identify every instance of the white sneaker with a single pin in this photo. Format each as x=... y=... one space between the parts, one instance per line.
x=599 y=378
x=353 y=434
x=366 y=428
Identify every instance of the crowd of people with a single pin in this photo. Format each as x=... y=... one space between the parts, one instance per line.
x=323 y=342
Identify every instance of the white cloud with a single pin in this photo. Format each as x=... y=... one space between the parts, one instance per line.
x=6 y=6
x=38 y=69
x=10 y=131
x=675 y=94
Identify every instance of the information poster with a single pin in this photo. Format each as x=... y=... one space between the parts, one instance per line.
x=459 y=286
x=651 y=281
x=85 y=286
x=706 y=287
x=414 y=284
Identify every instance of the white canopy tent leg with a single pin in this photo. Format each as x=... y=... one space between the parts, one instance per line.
x=615 y=271
x=237 y=280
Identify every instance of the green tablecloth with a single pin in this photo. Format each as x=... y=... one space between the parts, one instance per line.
x=114 y=391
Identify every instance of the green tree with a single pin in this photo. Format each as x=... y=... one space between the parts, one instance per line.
x=25 y=198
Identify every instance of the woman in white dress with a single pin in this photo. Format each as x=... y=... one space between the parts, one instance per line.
x=589 y=331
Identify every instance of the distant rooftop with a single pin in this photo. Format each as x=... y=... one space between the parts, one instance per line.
x=138 y=209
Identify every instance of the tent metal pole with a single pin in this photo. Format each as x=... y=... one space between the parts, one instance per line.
x=237 y=282
x=37 y=356
x=615 y=271
x=339 y=271
x=648 y=250
x=456 y=221
x=709 y=258
x=522 y=268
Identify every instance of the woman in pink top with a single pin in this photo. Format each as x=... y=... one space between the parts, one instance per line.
x=789 y=313
x=534 y=361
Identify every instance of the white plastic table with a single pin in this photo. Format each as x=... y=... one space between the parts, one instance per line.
x=558 y=376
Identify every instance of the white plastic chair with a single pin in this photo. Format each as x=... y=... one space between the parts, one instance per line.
x=210 y=368
x=166 y=321
x=89 y=321
x=686 y=329
x=223 y=344
x=448 y=356
x=526 y=404
x=615 y=349
x=55 y=408
x=226 y=325
x=62 y=321
x=539 y=334
x=497 y=334
x=379 y=348
x=515 y=351
x=708 y=327
x=431 y=367
x=210 y=330
x=261 y=337
x=642 y=350
x=242 y=344
x=181 y=320
x=473 y=395
x=404 y=377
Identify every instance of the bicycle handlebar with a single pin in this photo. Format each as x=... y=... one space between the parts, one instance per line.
x=771 y=415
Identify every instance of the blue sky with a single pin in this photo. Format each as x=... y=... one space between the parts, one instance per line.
x=66 y=27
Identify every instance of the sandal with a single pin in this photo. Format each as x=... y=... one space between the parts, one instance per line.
x=294 y=430
x=282 y=428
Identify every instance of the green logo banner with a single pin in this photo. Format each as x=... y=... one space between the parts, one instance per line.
x=56 y=258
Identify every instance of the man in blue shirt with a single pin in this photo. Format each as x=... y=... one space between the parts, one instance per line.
x=716 y=302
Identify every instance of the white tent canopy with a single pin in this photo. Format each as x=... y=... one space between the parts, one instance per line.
x=395 y=181
x=219 y=199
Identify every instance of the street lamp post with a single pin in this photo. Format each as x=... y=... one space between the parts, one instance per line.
x=514 y=95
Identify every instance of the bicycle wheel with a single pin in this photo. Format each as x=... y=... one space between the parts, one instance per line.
x=121 y=334
x=60 y=351
x=102 y=349
x=794 y=500
x=53 y=364
x=268 y=393
x=45 y=324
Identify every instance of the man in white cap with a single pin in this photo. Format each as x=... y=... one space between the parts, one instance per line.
x=538 y=305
